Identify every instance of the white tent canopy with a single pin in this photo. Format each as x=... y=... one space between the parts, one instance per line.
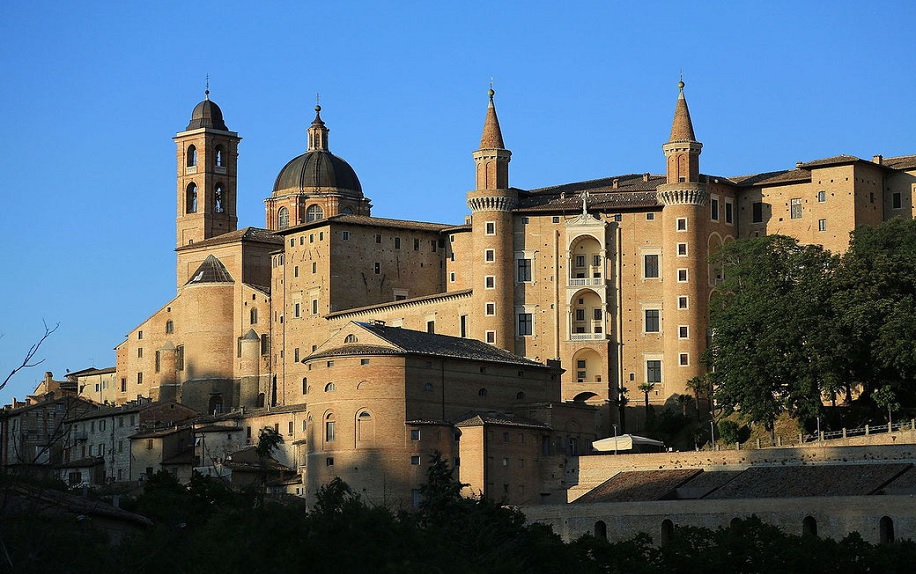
x=624 y=442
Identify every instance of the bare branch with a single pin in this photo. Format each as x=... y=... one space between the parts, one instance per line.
x=29 y=361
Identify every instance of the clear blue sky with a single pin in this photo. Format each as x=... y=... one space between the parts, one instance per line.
x=92 y=93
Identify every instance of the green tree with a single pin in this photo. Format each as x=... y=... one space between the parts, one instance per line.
x=774 y=342
x=645 y=389
x=886 y=398
x=875 y=303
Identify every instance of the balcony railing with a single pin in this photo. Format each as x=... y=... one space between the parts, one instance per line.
x=587 y=336
x=586 y=282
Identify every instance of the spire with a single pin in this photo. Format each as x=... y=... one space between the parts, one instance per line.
x=207 y=89
x=318 y=133
x=492 y=137
x=682 y=127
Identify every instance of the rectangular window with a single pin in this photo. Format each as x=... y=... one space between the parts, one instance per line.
x=580 y=260
x=491 y=228
x=329 y=461
x=364 y=361
x=650 y=216
x=415 y=460
x=430 y=326
x=683 y=359
x=296 y=310
x=451 y=277
x=580 y=314
x=618 y=217
x=296 y=271
x=525 y=324
x=683 y=331
x=139 y=378
x=140 y=353
x=463 y=326
x=682 y=302
x=524 y=270
x=179 y=357
x=377 y=268
x=681 y=275
x=682 y=224
x=489 y=255
x=822 y=225
x=653 y=371
x=296 y=354
x=653 y=321
x=397 y=242
x=714 y=209
x=158 y=361
x=555 y=219
x=491 y=337
x=650 y=266
x=490 y=308
x=795 y=208
x=896 y=200
x=757 y=212
x=314 y=267
x=821 y=196
x=414 y=434
x=416 y=244
x=597 y=314
x=729 y=212
x=345 y=235
x=378 y=238
x=314 y=306
x=489 y=282
x=123 y=384
x=330 y=431
x=682 y=249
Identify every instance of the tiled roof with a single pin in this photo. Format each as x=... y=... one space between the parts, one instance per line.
x=835 y=160
x=422 y=343
x=798 y=481
x=255 y=234
x=211 y=270
x=370 y=222
x=900 y=162
x=639 y=486
x=772 y=177
x=478 y=418
x=403 y=302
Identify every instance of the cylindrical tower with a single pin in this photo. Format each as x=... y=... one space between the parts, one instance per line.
x=491 y=205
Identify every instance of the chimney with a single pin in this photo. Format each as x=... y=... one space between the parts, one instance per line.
x=616 y=183
x=645 y=176
x=878 y=159
x=798 y=165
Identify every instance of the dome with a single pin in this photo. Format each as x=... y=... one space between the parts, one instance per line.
x=207 y=114
x=317 y=169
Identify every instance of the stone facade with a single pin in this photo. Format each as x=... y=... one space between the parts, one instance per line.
x=608 y=277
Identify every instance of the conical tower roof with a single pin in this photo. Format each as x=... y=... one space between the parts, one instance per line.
x=682 y=127
x=492 y=137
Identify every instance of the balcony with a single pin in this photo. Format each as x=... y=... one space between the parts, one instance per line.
x=587 y=336
x=585 y=282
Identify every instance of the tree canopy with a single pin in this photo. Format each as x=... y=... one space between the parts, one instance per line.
x=794 y=325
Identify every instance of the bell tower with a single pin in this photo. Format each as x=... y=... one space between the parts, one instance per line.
x=207 y=159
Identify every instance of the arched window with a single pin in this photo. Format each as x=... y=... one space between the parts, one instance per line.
x=365 y=428
x=169 y=326
x=601 y=530
x=191 y=198
x=219 y=156
x=428 y=388
x=351 y=339
x=283 y=218
x=809 y=526
x=313 y=213
x=347 y=211
x=254 y=316
x=667 y=532
x=219 y=200
x=260 y=402
x=519 y=396
x=330 y=388
x=886 y=527
x=330 y=428
x=191 y=156
x=482 y=393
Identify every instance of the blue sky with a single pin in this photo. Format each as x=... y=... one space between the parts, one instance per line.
x=91 y=94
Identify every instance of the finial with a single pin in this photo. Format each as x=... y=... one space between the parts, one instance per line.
x=490 y=92
x=680 y=84
x=317 y=103
x=207 y=90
